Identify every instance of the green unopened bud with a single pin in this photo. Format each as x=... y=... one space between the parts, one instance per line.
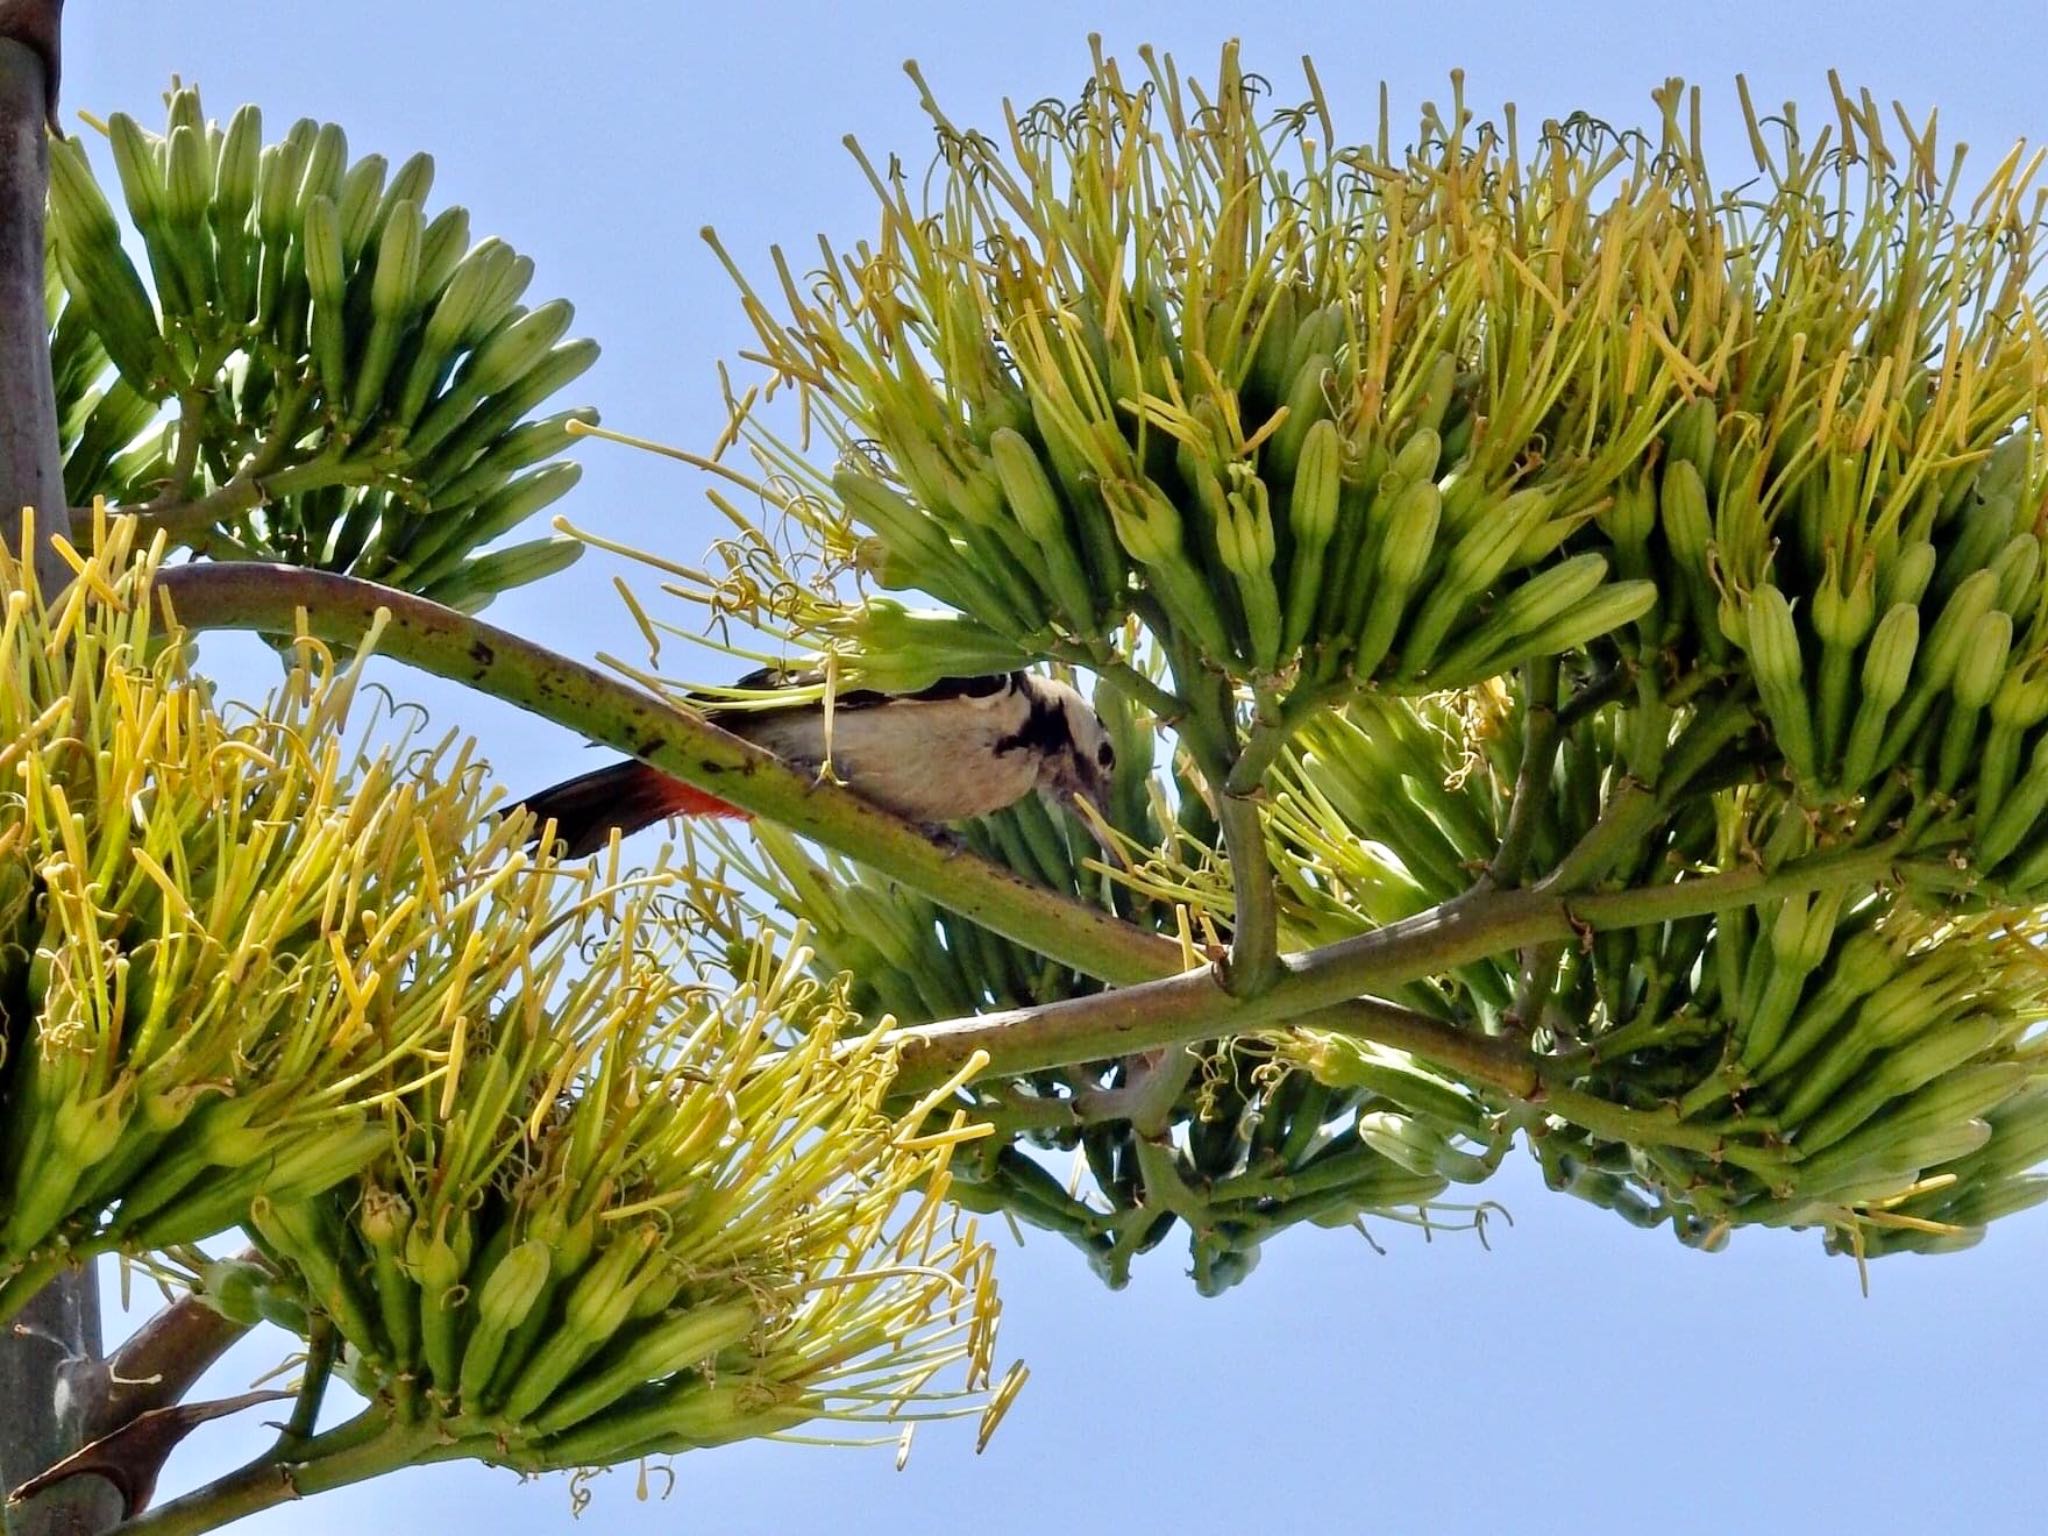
x=321 y=234
x=1484 y=552
x=1308 y=401
x=277 y=175
x=1773 y=648
x=1682 y=508
x=385 y=1218
x=900 y=650
x=1318 y=482
x=1804 y=928
x=1417 y=459
x=1731 y=617
x=1970 y=601
x=1888 y=664
x=2018 y=814
x=1411 y=535
x=2022 y=698
x=1983 y=660
x=188 y=178
x=1631 y=517
x=235 y=178
x=362 y=190
x=1692 y=439
x=1773 y=639
x=1027 y=486
x=232 y=1287
x=515 y=1284
x=398 y=262
x=1842 y=618
x=223 y=1136
x=2018 y=569
x=1435 y=403
x=675 y=1344
x=1911 y=571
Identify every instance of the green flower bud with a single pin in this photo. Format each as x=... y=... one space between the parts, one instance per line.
x=1911 y=570
x=1983 y=660
x=1888 y=664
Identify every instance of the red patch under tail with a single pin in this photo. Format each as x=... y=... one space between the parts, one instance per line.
x=626 y=796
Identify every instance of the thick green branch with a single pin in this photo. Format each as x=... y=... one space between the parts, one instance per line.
x=1192 y=1006
x=339 y=609
x=367 y=1446
x=1531 y=800
x=1324 y=987
x=1255 y=928
x=321 y=1346
x=187 y=522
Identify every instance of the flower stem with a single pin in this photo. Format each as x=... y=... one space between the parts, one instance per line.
x=367 y=1446
x=1191 y=1006
x=1533 y=777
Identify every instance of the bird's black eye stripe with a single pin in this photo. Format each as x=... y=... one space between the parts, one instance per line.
x=1045 y=730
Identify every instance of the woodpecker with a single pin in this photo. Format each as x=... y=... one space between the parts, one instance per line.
x=962 y=748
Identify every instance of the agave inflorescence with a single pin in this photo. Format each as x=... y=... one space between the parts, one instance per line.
x=564 y=1190
x=204 y=918
x=316 y=371
x=626 y=1223
x=1512 y=509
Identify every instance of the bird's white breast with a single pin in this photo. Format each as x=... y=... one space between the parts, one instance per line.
x=927 y=761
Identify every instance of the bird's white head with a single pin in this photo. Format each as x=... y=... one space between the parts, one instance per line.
x=1075 y=758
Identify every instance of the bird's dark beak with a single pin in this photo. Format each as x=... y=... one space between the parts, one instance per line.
x=1089 y=808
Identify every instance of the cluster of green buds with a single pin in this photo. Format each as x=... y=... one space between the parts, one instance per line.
x=200 y=917
x=561 y=1193
x=1812 y=1060
x=626 y=1222
x=1499 y=512
x=1265 y=1148
x=1950 y=1209
x=1286 y=402
x=1903 y=670
x=316 y=371
x=1855 y=1061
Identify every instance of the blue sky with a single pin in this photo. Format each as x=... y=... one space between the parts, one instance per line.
x=1581 y=1376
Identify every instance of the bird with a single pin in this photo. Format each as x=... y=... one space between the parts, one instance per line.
x=961 y=748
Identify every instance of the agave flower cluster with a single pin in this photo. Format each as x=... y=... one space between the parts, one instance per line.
x=559 y=1189
x=1524 y=506
x=316 y=370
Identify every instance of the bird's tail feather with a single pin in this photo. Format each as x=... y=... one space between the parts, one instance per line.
x=627 y=796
